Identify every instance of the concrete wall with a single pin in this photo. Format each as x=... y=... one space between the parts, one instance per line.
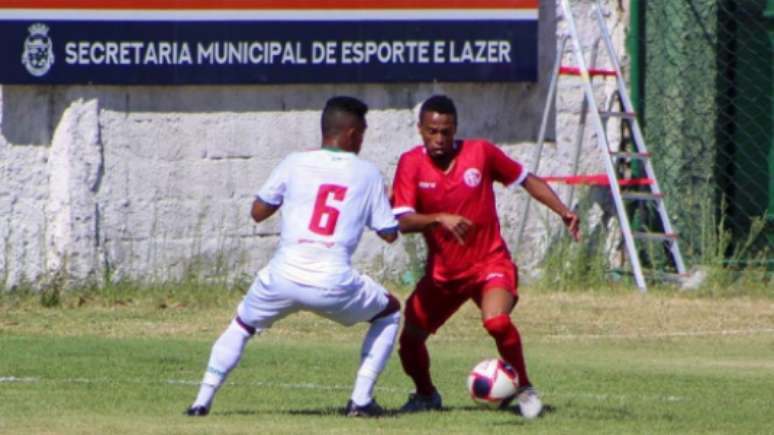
x=149 y=182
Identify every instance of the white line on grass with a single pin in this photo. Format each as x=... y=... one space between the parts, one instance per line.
x=14 y=379
x=290 y=386
x=311 y=386
x=648 y=334
x=633 y=335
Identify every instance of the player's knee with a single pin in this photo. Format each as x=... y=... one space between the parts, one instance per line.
x=498 y=326
x=392 y=318
x=388 y=319
x=393 y=307
x=412 y=336
x=240 y=325
x=407 y=345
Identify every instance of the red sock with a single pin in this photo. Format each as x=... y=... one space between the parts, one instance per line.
x=509 y=344
x=416 y=363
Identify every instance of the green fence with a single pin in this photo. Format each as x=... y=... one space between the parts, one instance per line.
x=703 y=79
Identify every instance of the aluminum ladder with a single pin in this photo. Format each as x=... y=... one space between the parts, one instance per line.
x=652 y=190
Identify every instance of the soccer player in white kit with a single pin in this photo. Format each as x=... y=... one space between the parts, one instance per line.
x=327 y=196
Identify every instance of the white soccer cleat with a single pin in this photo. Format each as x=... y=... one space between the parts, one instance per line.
x=530 y=405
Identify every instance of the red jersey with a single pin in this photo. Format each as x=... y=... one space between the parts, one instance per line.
x=466 y=190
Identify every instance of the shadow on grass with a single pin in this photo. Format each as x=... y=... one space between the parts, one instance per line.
x=314 y=412
x=389 y=413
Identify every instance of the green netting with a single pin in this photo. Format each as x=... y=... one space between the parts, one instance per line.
x=707 y=103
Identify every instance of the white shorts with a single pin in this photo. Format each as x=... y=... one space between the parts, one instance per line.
x=272 y=297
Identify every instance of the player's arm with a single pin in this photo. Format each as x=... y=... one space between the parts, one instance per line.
x=381 y=219
x=262 y=210
x=541 y=191
x=412 y=222
x=405 y=199
x=272 y=193
x=512 y=173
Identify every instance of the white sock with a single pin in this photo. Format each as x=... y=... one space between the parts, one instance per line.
x=225 y=355
x=376 y=350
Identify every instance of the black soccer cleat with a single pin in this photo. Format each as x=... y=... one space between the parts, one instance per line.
x=197 y=411
x=419 y=403
x=371 y=409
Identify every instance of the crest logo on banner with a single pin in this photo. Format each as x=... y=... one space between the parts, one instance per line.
x=38 y=55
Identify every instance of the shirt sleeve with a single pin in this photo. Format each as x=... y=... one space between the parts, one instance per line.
x=404 y=187
x=503 y=168
x=381 y=218
x=273 y=190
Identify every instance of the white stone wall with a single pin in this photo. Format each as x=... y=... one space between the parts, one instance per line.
x=148 y=182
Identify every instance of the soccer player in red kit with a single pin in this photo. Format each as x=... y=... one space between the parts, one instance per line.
x=444 y=189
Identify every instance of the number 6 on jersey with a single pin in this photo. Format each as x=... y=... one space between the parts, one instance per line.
x=324 y=216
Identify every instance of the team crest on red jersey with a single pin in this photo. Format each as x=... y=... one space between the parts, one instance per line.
x=472 y=177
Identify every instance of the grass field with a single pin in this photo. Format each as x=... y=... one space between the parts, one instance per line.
x=605 y=363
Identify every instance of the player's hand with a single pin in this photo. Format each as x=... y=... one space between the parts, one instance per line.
x=572 y=222
x=455 y=224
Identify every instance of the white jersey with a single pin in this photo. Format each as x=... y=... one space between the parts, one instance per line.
x=328 y=197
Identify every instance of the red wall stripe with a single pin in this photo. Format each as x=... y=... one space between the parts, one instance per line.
x=266 y=4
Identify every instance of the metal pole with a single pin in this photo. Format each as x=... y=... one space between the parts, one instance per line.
x=542 y=133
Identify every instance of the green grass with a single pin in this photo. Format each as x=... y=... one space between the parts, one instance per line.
x=606 y=363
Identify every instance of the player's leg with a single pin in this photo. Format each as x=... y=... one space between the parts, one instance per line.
x=496 y=306
x=364 y=300
x=375 y=351
x=496 y=300
x=261 y=306
x=415 y=358
x=225 y=355
x=427 y=309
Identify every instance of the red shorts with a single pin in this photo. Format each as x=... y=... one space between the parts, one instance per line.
x=433 y=302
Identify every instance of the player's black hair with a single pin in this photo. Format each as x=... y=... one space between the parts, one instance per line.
x=439 y=104
x=338 y=112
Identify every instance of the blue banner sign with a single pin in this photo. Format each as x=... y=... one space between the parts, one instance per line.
x=241 y=43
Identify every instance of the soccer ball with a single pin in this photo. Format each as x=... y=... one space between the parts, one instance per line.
x=492 y=383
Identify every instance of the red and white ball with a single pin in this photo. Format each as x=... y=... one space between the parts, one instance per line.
x=493 y=383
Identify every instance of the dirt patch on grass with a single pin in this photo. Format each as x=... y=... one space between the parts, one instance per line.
x=545 y=315
x=578 y=315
